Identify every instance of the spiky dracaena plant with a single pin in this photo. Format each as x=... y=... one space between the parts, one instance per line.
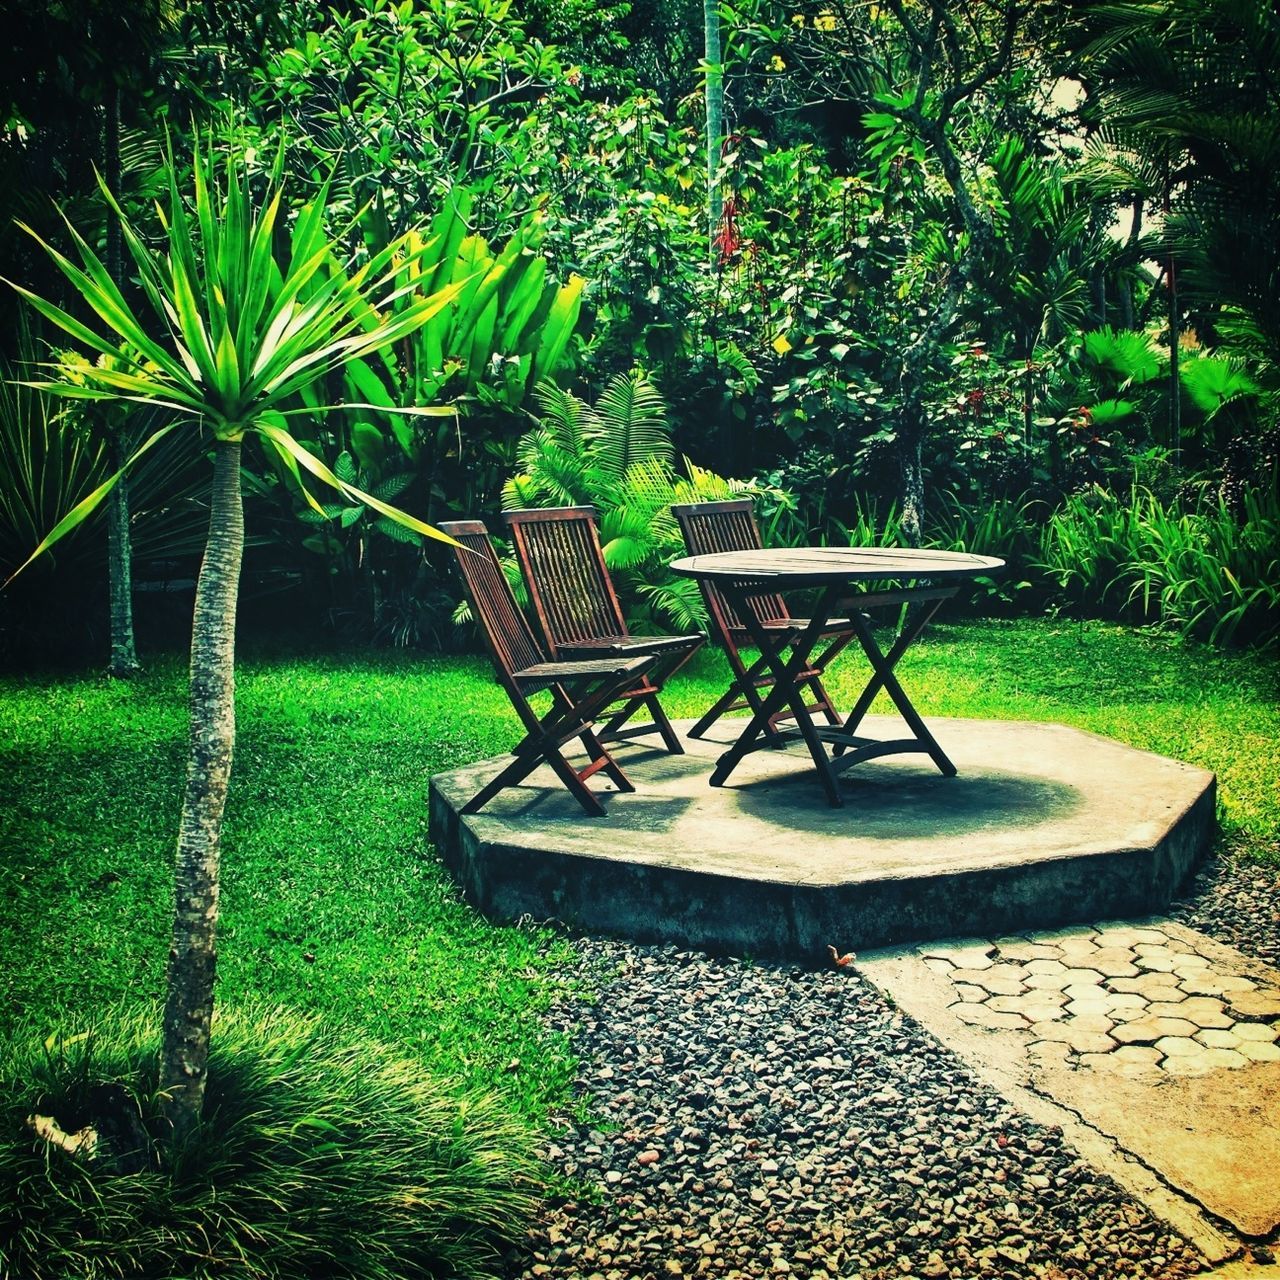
x=230 y=333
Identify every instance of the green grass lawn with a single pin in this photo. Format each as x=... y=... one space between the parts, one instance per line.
x=333 y=900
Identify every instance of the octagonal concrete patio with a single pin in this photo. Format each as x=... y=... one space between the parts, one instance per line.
x=1043 y=825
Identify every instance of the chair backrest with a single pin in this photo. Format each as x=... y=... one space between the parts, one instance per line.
x=511 y=642
x=563 y=563
x=711 y=527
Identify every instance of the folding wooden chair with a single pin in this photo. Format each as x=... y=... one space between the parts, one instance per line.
x=710 y=527
x=579 y=615
x=580 y=689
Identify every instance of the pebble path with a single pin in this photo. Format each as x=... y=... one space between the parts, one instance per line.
x=753 y=1120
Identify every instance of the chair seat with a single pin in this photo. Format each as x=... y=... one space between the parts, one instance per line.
x=632 y=644
x=552 y=671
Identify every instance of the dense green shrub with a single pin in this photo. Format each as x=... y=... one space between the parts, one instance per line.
x=1192 y=565
x=318 y=1155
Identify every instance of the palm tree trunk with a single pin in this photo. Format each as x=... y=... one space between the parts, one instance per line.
x=193 y=954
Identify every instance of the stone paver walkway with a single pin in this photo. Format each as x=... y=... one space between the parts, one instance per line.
x=1115 y=999
x=1156 y=1048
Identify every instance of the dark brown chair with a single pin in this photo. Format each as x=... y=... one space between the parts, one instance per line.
x=580 y=690
x=578 y=613
x=710 y=527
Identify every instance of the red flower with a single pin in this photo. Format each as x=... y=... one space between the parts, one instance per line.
x=728 y=240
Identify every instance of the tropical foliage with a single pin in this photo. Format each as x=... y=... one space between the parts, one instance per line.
x=957 y=266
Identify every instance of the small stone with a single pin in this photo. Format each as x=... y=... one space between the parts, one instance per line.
x=648 y=1157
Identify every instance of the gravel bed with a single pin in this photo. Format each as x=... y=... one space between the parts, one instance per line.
x=742 y=1120
x=1237 y=902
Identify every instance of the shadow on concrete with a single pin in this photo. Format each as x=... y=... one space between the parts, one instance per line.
x=885 y=801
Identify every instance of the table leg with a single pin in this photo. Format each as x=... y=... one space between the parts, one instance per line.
x=785 y=690
x=882 y=665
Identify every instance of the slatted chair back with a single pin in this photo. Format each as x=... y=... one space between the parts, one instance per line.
x=711 y=527
x=562 y=560
x=581 y=690
x=507 y=633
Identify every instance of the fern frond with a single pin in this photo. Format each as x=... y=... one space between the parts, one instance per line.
x=630 y=423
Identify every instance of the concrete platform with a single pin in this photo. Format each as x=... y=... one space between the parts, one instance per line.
x=1043 y=825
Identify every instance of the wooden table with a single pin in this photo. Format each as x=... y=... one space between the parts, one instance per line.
x=922 y=580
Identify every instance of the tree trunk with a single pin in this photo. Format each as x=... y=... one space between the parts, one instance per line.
x=193 y=954
x=912 y=481
x=715 y=117
x=124 y=654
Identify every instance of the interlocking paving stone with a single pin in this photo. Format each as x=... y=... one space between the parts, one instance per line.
x=1124 y=936
x=1083 y=984
x=1203 y=1061
x=1000 y=979
x=1153 y=985
x=1254 y=1004
x=1142 y=1008
x=1114 y=962
x=1138 y=1054
x=1259 y=1050
x=1022 y=950
x=1259 y=1031
x=1201 y=1010
x=1112 y=1062
x=1219 y=1039
x=1032 y=1007
x=1079 y=948
x=1050 y=981
x=1074 y=1036
x=964 y=955
x=981 y=1015
x=1215 y=984
x=1149 y=1030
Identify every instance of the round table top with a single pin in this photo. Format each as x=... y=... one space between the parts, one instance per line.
x=816 y=566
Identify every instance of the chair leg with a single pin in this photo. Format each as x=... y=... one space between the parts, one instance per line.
x=663 y=725
x=521 y=767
